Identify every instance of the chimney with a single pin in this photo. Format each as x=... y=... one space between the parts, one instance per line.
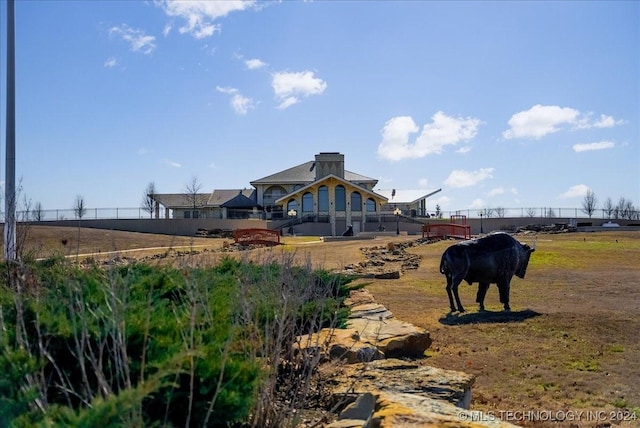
x=329 y=163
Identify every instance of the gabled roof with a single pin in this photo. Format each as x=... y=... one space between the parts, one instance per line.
x=240 y=201
x=223 y=196
x=304 y=173
x=330 y=177
x=214 y=199
x=181 y=200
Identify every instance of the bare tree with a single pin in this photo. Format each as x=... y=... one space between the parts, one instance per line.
x=149 y=199
x=191 y=190
x=25 y=214
x=550 y=213
x=79 y=207
x=37 y=213
x=619 y=209
x=531 y=212
x=608 y=207
x=589 y=203
x=499 y=212
x=625 y=209
x=30 y=212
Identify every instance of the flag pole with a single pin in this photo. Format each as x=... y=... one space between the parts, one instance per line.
x=10 y=159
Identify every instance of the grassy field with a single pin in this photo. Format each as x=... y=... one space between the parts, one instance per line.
x=568 y=349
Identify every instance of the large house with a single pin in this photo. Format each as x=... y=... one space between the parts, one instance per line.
x=320 y=190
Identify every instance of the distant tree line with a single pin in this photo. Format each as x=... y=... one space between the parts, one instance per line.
x=623 y=209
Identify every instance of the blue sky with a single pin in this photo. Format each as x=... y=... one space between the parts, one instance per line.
x=499 y=104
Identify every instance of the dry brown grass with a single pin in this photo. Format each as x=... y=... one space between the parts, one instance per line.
x=570 y=343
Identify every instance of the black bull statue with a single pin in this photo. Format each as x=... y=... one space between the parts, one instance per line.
x=494 y=258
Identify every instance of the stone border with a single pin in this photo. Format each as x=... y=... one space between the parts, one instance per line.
x=385 y=378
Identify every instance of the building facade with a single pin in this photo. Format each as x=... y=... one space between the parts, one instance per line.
x=320 y=190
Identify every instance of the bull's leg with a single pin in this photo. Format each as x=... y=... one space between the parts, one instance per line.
x=482 y=292
x=503 y=288
x=456 y=283
x=452 y=292
x=449 y=293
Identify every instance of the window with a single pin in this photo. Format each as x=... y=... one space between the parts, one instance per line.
x=341 y=198
x=356 y=201
x=273 y=193
x=292 y=205
x=323 y=198
x=371 y=205
x=307 y=202
x=187 y=214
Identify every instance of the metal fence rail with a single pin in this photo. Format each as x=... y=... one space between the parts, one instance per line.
x=523 y=212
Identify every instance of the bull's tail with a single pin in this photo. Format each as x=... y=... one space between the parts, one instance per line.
x=443 y=265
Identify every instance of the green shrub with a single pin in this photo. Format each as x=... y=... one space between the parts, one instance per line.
x=148 y=345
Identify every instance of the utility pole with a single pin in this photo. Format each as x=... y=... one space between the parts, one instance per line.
x=10 y=160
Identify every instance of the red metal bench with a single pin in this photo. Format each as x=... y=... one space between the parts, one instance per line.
x=448 y=230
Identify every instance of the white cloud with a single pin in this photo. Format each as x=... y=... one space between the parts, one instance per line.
x=137 y=39
x=442 y=131
x=423 y=182
x=607 y=122
x=539 y=121
x=462 y=178
x=200 y=15
x=143 y=151
x=443 y=201
x=254 y=64
x=463 y=150
x=226 y=89
x=290 y=87
x=577 y=191
x=514 y=191
x=241 y=105
x=602 y=145
x=496 y=191
x=477 y=204
x=395 y=138
x=167 y=29
x=173 y=164
x=111 y=62
x=287 y=102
